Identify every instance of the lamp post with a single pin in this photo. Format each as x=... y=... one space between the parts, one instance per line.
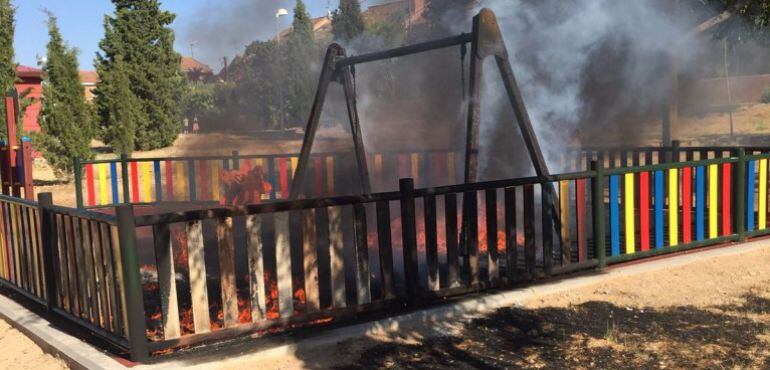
x=280 y=13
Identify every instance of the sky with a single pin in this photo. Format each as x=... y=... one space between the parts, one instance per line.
x=202 y=22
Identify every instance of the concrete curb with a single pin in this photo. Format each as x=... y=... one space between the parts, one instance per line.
x=433 y=321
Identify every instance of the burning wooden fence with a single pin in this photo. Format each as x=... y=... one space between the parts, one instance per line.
x=152 y=283
x=105 y=183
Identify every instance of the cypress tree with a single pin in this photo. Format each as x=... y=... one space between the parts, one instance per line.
x=122 y=109
x=65 y=116
x=140 y=33
x=7 y=64
x=347 y=21
x=301 y=53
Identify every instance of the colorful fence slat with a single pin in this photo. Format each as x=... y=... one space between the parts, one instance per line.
x=90 y=185
x=114 y=183
x=659 y=209
x=727 y=196
x=581 y=216
x=203 y=175
x=713 y=201
x=762 y=212
x=415 y=167
x=158 y=181
x=751 y=176
x=644 y=211
x=283 y=175
x=191 y=184
x=180 y=179
x=146 y=188
x=103 y=184
x=629 y=213
x=169 y=181
x=700 y=203
x=216 y=178
x=686 y=205
x=673 y=207
x=135 y=182
x=614 y=217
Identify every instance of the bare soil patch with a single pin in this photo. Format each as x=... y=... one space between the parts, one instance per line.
x=17 y=352
x=709 y=314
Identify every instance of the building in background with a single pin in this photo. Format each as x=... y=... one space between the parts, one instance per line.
x=196 y=71
x=89 y=79
x=30 y=86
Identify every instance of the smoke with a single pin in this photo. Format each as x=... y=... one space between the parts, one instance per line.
x=592 y=72
x=219 y=30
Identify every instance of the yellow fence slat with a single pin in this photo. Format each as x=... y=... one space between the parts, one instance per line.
x=673 y=207
x=103 y=189
x=629 y=216
x=146 y=176
x=762 y=217
x=180 y=182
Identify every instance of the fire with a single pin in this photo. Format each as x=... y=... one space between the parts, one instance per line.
x=152 y=299
x=245 y=185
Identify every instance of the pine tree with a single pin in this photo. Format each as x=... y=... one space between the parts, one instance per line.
x=300 y=55
x=7 y=64
x=65 y=118
x=139 y=32
x=347 y=21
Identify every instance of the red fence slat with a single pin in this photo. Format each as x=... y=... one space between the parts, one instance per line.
x=90 y=184
x=644 y=210
x=727 y=195
x=686 y=204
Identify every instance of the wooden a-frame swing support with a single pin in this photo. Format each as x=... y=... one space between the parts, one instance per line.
x=486 y=41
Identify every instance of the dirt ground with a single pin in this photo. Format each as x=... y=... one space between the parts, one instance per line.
x=711 y=314
x=17 y=352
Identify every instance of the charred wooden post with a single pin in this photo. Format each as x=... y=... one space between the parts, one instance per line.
x=49 y=249
x=332 y=71
x=132 y=284
x=409 y=230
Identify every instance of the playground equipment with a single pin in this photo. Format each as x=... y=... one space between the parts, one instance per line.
x=486 y=40
x=259 y=268
x=15 y=159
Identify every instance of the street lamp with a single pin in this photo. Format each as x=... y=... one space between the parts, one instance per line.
x=280 y=13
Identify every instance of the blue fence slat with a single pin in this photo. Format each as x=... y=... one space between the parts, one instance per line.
x=659 y=196
x=700 y=206
x=614 y=216
x=114 y=182
x=750 y=197
x=271 y=177
x=158 y=182
x=191 y=180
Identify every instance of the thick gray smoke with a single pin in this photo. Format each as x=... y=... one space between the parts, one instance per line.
x=593 y=72
x=222 y=28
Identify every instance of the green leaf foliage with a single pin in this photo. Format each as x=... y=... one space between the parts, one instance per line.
x=139 y=32
x=347 y=21
x=300 y=76
x=65 y=118
x=7 y=63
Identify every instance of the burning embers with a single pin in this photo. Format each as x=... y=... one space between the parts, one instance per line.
x=271 y=292
x=244 y=186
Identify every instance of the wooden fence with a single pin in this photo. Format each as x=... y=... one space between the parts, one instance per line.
x=150 y=283
x=199 y=179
